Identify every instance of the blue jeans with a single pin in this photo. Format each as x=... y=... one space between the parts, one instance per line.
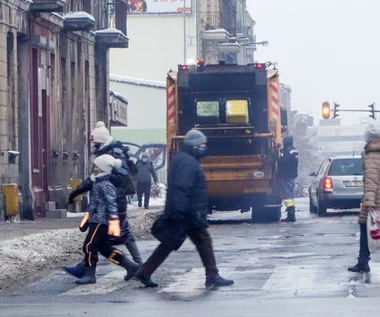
x=287 y=191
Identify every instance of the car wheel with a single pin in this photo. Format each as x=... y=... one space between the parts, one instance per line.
x=322 y=209
x=312 y=208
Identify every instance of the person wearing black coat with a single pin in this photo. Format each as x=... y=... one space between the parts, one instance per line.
x=145 y=173
x=288 y=172
x=104 y=143
x=187 y=202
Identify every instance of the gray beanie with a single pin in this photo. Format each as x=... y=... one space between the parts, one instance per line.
x=372 y=132
x=194 y=138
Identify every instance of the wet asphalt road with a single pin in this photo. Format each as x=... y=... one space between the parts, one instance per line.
x=297 y=269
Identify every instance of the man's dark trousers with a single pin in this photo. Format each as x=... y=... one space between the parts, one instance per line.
x=143 y=188
x=202 y=240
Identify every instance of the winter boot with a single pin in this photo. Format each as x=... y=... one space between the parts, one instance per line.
x=77 y=271
x=218 y=281
x=361 y=267
x=134 y=251
x=291 y=215
x=89 y=276
x=145 y=279
x=130 y=266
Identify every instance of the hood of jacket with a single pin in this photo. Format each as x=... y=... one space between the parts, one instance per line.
x=287 y=141
x=373 y=146
x=109 y=146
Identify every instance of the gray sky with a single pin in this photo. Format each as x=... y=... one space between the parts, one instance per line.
x=325 y=49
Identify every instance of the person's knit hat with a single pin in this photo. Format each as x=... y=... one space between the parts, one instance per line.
x=100 y=134
x=372 y=132
x=194 y=138
x=106 y=163
x=144 y=154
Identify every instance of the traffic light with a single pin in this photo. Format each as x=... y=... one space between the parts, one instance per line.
x=372 y=111
x=326 y=110
x=336 y=110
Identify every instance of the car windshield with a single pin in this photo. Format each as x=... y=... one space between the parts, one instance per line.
x=351 y=166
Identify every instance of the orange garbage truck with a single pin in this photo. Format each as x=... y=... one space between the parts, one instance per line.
x=238 y=108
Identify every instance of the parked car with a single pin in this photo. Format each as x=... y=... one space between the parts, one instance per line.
x=338 y=184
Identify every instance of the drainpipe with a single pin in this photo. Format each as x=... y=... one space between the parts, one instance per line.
x=197 y=22
x=184 y=32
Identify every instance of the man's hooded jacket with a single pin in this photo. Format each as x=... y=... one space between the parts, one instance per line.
x=288 y=162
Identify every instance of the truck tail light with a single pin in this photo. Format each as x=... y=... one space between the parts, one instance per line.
x=327 y=183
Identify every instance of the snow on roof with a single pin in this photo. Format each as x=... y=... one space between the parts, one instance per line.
x=109 y=30
x=78 y=15
x=137 y=81
x=119 y=96
x=216 y=31
x=57 y=15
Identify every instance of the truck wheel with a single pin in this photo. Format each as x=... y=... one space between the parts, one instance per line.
x=261 y=215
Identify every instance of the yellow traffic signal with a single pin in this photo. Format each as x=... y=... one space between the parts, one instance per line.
x=326 y=110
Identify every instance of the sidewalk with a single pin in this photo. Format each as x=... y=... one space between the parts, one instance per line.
x=31 y=246
x=10 y=231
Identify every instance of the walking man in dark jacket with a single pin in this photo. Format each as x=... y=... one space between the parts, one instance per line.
x=145 y=172
x=287 y=172
x=187 y=201
x=104 y=143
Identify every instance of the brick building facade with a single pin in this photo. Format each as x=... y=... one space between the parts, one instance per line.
x=53 y=88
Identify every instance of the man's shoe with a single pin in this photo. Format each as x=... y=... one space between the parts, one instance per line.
x=218 y=281
x=361 y=267
x=146 y=207
x=291 y=215
x=140 y=205
x=288 y=219
x=145 y=279
x=77 y=271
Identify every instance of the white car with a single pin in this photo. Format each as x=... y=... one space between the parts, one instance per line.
x=337 y=184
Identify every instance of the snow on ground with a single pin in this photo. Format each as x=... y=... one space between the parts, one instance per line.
x=26 y=253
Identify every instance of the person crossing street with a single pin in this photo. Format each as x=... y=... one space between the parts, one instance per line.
x=287 y=173
x=187 y=203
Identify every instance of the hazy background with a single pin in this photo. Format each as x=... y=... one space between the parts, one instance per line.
x=325 y=49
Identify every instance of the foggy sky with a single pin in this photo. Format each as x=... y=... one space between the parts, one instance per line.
x=325 y=49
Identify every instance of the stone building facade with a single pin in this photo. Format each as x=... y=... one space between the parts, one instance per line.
x=53 y=88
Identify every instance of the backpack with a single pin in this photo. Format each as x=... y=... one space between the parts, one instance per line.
x=130 y=186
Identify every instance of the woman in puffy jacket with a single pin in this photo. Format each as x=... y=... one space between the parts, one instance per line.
x=371 y=197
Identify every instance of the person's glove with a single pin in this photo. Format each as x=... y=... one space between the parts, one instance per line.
x=114 y=228
x=84 y=222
